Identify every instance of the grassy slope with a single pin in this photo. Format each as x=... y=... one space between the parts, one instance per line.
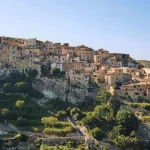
x=146 y=63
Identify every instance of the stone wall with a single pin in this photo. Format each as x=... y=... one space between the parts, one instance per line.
x=65 y=90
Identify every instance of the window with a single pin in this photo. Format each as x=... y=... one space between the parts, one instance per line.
x=136 y=93
x=144 y=93
x=126 y=93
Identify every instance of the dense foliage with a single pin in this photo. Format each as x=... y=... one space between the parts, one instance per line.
x=20 y=83
x=107 y=120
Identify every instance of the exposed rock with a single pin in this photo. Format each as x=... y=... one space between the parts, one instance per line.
x=66 y=91
x=144 y=131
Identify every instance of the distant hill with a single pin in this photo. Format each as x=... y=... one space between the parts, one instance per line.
x=146 y=63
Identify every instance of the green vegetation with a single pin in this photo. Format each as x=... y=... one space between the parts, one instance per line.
x=45 y=69
x=55 y=72
x=61 y=115
x=54 y=105
x=127 y=120
x=20 y=103
x=32 y=74
x=107 y=120
x=20 y=83
x=29 y=113
x=140 y=105
x=53 y=126
x=145 y=118
x=76 y=113
x=97 y=133
x=5 y=112
x=69 y=146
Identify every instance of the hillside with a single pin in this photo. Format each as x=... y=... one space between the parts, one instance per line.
x=146 y=63
x=100 y=124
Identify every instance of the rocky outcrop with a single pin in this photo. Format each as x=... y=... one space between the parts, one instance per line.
x=144 y=131
x=65 y=90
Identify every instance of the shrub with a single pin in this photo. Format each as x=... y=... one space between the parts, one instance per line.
x=22 y=122
x=97 y=133
x=127 y=119
x=146 y=118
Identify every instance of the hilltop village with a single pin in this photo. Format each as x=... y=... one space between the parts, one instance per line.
x=121 y=74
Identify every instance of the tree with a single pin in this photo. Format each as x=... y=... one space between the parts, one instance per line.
x=5 y=112
x=97 y=133
x=126 y=142
x=71 y=144
x=76 y=113
x=20 y=103
x=103 y=95
x=74 y=110
x=55 y=71
x=103 y=111
x=8 y=88
x=92 y=119
x=61 y=115
x=22 y=87
x=49 y=121
x=33 y=73
x=127 y=119
x=114 y=86
x=117 y=130
x=22 y=122
x=45 y=69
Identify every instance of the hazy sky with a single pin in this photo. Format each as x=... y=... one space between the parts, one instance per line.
x=116 y=25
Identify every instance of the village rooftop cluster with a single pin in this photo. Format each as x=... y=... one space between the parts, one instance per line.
x=120 y=73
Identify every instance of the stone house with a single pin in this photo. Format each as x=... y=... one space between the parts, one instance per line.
x=67 y=49
x=112 y=61
x=114 y=75
x=85 y=53
x=99 y=76
x=121 y=57
x=49 y=45
x=136 y=90
x=58 y=65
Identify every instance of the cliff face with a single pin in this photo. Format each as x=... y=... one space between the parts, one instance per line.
x=66 y=91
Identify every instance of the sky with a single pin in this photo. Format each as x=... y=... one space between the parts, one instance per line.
x=121 y=26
